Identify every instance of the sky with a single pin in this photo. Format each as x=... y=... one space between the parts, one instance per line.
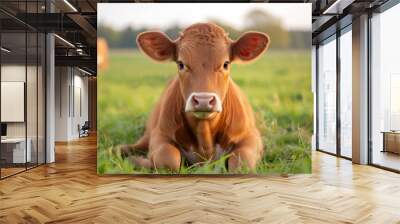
x=294 y=16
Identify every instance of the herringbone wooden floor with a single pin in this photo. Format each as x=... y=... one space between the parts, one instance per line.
x=69 y=191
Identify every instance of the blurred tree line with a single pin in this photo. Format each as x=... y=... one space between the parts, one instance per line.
x=256 y=20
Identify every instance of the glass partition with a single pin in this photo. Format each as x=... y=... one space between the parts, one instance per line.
x=22 y=77
x=31 y=99
x=41 y=91
x=327 y=96
x=14 y=153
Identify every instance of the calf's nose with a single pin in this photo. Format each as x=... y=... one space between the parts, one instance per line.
x=203 y=102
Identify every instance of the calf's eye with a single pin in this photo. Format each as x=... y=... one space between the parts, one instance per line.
x=226 y=65
x=180 y=65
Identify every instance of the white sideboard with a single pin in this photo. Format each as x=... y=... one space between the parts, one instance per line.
x=19 y=155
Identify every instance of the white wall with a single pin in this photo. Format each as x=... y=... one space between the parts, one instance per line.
x=14 y=73
x=13 y=101
x=62 y=81
x=33 y=126
x=70 y=83
x=80 y=94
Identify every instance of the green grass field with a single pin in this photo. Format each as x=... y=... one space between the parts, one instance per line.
x=277 y=85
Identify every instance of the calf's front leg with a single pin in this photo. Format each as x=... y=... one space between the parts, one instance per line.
x=246 y=153
x=162 y=154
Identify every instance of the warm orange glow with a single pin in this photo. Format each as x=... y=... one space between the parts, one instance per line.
x=102 y=54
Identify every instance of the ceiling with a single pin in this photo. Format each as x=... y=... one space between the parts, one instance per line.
x=76 y=22
x=331 y=15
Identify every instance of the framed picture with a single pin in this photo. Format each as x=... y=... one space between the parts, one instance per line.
x=200 y=92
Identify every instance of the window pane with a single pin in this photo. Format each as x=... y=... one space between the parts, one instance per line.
x=327 y=97
x=346 y=94
x=31 y=97
x=386 y=89
x=41 y=98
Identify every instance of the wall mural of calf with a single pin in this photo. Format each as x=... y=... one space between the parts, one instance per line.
x=202 y=113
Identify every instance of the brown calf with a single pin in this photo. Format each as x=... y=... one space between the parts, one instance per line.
x=202 y=113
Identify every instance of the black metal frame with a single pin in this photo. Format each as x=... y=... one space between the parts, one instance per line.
x=369 y=90
x=338 y=76
x=44 y=77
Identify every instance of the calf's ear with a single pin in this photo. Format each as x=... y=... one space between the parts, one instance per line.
x=249 y=46
x=156 y=45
